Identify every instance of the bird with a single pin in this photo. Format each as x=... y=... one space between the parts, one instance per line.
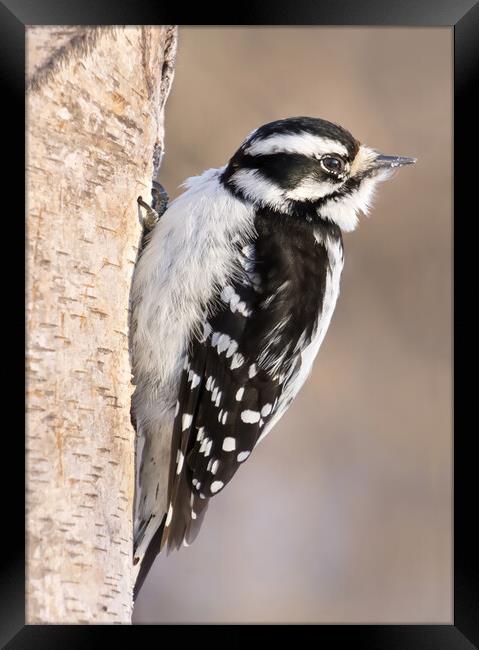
x=234 y=289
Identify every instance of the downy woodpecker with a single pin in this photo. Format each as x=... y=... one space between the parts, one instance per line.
x=232 y=295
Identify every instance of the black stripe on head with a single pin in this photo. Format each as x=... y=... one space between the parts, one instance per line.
x=286 y=170
x=312 y=125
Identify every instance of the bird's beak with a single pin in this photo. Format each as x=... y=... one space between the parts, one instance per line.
x=383 y=161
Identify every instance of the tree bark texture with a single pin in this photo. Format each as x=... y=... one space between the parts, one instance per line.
x=95 y=100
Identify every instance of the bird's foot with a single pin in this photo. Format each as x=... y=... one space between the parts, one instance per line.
x=157 y=208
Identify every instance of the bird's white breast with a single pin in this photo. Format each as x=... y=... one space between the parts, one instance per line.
x=188 y=257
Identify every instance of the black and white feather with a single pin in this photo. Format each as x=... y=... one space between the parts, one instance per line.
x=231 y=299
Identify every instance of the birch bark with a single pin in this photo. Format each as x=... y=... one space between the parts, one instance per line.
x=95 y=100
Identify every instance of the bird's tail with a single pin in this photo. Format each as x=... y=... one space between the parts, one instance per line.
x=146 y=562
x=151 y=483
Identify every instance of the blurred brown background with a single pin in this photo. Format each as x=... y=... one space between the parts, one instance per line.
x=343 y=514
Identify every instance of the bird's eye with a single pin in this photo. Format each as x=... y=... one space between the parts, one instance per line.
x=333 y=164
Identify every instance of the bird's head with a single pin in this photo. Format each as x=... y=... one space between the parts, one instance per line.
x=305 y=165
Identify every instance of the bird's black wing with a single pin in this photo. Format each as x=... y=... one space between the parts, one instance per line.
x=238 y=372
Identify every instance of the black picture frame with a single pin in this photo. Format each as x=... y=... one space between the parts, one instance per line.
x=463 y=17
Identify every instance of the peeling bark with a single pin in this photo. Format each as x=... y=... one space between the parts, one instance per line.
x=95 y=135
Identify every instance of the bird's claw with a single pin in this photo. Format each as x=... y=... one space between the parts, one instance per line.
x=157 y=208
x=152 y=217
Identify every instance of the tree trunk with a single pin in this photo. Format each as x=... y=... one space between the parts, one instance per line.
x=95 y=137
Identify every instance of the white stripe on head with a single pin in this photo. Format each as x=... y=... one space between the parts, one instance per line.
x=310 y=189
x=255 y=187
x=303 y=143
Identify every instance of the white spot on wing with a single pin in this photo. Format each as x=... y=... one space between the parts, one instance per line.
x=226 y=294
x=180 y=459
x=231 y=298
x=207 y=329
x=169 y=515
x=237 y=361
x=208 y=448
x=216 y=486
x=266 y=410
x=223 y=343
x=250 y=417
x=195 y=380
x=232 y=349
x=229 y=444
